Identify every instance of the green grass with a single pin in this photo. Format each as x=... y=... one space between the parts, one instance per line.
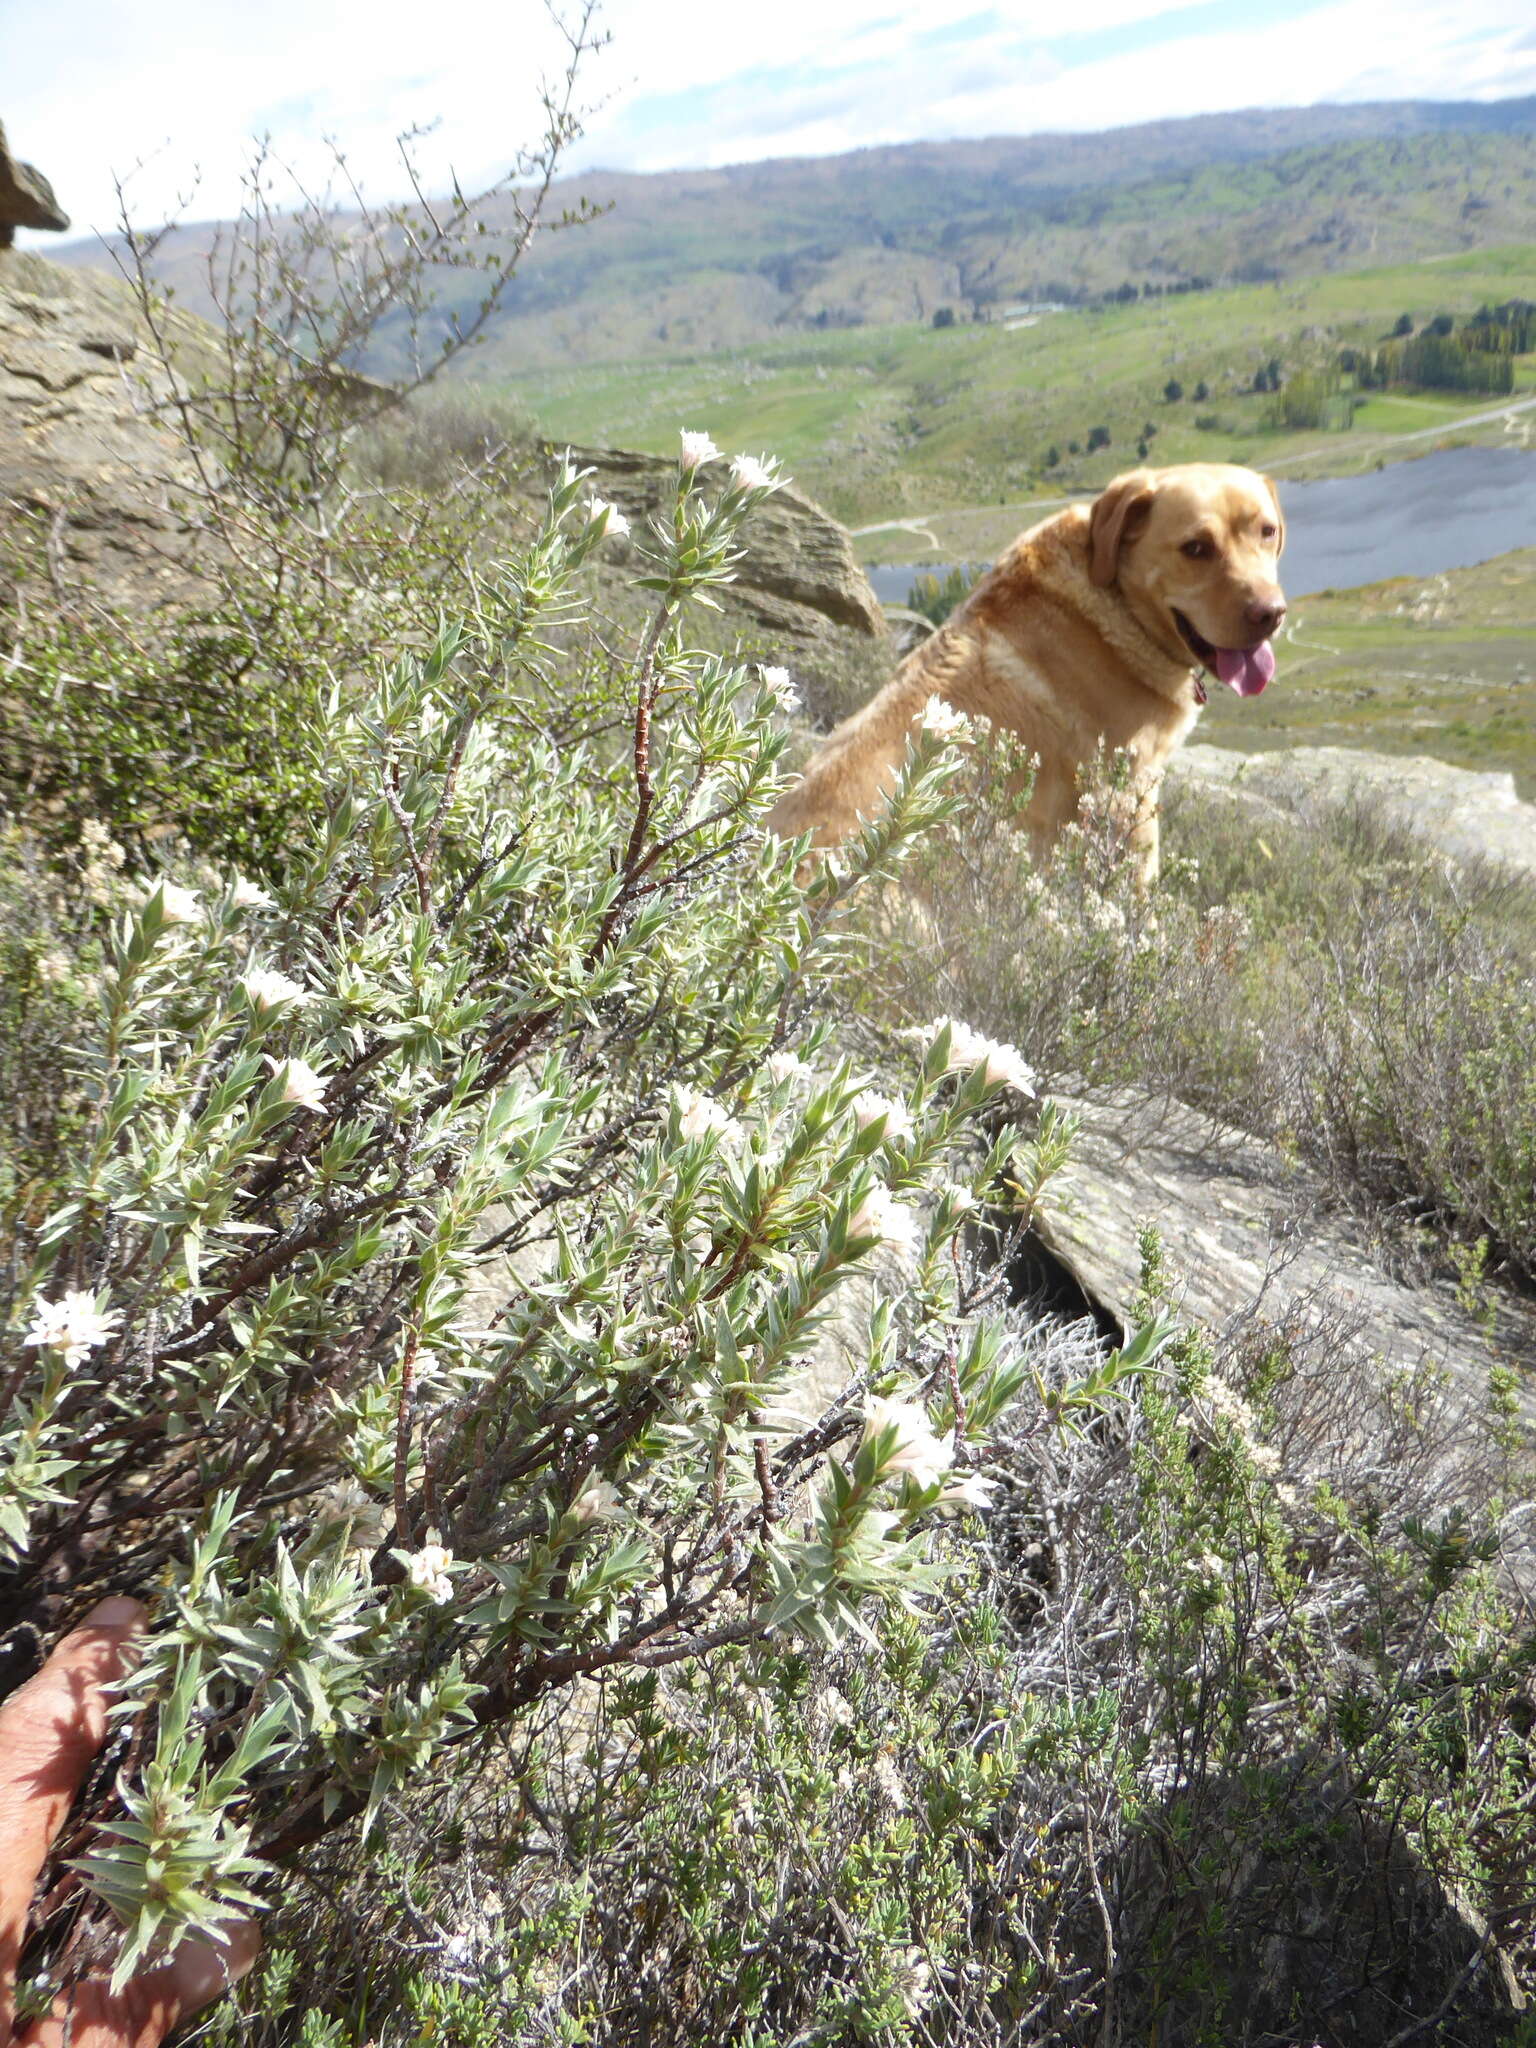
x=891 y=421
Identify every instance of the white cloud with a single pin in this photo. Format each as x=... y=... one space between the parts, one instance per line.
x=96 y=87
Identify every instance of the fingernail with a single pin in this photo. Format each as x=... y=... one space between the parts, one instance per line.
x=116 y=1611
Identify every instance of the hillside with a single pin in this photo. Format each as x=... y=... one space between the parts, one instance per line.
x=952 y=428
x=699 y=261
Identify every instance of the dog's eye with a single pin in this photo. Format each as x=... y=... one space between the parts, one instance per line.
x=1197 y=550
x=1268 y=530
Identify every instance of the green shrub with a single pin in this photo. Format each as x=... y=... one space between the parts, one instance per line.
x=1097 y=1787
x=439 y=1234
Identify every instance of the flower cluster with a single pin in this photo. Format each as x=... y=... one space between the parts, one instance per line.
x=267 y=989
x=776 y=681
x=942 y=721
x=1000 y=1063
x=891 y=1223
x=299 y=1083
x=607 y=517
x=894 y=1118
x=428 y=1569
x=73 y=1325
x=700 y=1116
x=916 y=1449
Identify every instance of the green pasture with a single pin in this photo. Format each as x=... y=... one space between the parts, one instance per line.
x=892 y=421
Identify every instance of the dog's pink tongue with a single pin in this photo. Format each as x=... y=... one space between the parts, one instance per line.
x=1247 y=670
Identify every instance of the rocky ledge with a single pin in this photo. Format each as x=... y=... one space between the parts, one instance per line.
x=1463 y=812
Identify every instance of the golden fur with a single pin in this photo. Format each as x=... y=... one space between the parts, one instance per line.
x=1071 y=642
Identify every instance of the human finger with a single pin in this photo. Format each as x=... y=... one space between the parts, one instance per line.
x=92 y=2015
x=50 y=1728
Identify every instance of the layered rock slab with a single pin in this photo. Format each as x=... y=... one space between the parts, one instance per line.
x=1465 y=813
x=1249 y=1237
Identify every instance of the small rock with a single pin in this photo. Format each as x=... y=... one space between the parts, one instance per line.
x=26 y=198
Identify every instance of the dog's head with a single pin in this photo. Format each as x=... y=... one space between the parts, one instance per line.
x=1194 y=550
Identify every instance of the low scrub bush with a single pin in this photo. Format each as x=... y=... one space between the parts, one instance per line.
x=444 y=435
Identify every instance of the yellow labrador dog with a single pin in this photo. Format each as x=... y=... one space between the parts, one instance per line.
x=1096 y=629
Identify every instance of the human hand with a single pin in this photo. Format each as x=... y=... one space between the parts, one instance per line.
x=50 y=1728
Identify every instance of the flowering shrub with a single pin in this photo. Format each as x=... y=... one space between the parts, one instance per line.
x=444 y=1223
x=1182 y=1747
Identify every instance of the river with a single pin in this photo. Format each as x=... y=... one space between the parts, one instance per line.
x=1443 y=511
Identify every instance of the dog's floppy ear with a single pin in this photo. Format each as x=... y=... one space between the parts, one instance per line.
x=1119 y=512
x=1269 y=485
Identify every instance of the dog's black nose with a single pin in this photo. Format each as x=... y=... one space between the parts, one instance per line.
x=1264 y=618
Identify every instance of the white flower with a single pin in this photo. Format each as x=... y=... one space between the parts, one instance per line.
x=53 y=968
x=700 y=1115
x=961 y=1200
x=177 y=905
x=598 y=1501
x=367 y=1519
x=999 y=1061
x=696 y=448
x=604 y=513
x=251 y=896
x=881 y=1216
x=834 y=1708
x=887 y=1781
x=869 y=1108
x=917 y=1450
x=74 y=1325
x=944 y=722
x=1229 y=1404
x=912 y=1976
x=1265 y=1459
x=301 y=1083
x=788 y=1066
x=267 y=989
x=752 y=472
x=428 y=1569
x=783 y=692
x=970 y=1490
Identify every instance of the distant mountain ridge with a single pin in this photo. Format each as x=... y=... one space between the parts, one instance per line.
x=687 y=262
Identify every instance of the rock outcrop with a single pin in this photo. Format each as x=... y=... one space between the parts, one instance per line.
x=89 y=453
x=26 y=198
x=85 y=452
x=1251 y=1238
x=1463 y=812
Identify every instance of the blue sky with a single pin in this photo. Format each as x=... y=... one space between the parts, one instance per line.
x=177 y=86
